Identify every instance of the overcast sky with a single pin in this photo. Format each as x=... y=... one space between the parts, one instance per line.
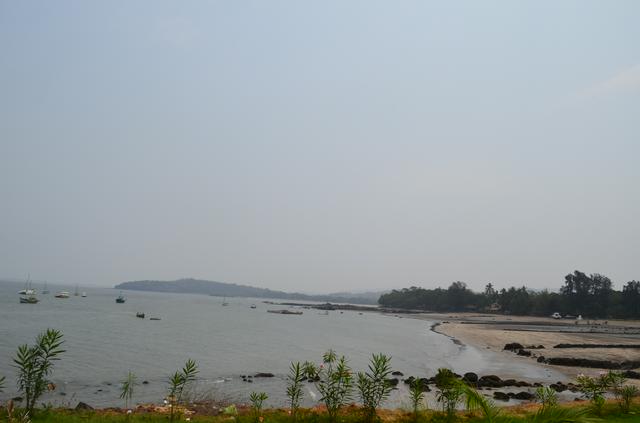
x=320 y=146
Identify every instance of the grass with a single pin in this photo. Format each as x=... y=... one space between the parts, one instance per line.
x=351 y=414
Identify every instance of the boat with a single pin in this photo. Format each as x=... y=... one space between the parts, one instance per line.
x=140 y=315
x=31 y=299
x=62 y=294
x=224 y=302
x=28 y=290
x=284 y=312
x=84 y=295
x=120 y=299
x=253 y=306
x=154 y=318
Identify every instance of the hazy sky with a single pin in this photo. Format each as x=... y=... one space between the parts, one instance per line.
x=320 y=146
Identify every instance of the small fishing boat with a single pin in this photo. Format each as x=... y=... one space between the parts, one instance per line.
x=84 y=295
x=120 y=299
x=253 y=306
x=62 y=294
x=140 y=315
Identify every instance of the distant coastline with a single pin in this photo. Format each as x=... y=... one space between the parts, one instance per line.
x=222 y=289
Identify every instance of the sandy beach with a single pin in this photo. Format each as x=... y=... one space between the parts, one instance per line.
x=493 y=332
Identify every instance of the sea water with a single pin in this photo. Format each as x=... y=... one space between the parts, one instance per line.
x=104 y=340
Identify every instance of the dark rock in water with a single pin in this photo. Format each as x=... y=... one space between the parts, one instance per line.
x=83 y=406
x=249 y=380
x=522 y=384
x=541 y=359
x=261 y=374
x=393 y=382
x=597 y=364
x=509 y=382
x=470 y=377
x=525 y=353
x=145 y=382
x=514 y=346
x=64 y=394
x=491 y=381
x=630 y=374
x=558 y=387
x=397 y=373
x=526 y=396
x=501 y=396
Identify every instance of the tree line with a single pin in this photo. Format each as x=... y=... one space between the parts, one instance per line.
x=591 y=296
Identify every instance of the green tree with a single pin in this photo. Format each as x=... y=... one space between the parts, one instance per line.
x=335 y=384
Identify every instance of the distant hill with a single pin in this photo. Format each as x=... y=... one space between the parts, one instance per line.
x=197 y=286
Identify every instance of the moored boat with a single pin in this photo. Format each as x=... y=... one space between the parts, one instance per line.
x=121 y=299
x=62 y=294
x=284 y=312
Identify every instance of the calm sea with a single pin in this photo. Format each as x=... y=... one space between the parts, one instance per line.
x=105 y=340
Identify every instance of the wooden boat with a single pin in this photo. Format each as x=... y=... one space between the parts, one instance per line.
x=140 y=315
x=120 y=299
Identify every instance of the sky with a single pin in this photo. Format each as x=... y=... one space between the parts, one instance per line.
x=320 y=146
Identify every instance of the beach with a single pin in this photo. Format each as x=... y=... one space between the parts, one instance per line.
x=493 y=332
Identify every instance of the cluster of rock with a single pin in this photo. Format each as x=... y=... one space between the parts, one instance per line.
x=492 y=382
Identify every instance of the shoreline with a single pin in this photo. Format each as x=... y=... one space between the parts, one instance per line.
x=602 y=341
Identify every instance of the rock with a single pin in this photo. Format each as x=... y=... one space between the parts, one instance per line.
x=501 y=396
x=393 y=382
x=491 y=381
x=83 y=406
x=526 y=396
x=397 y=373
x=145 y=382
x=630 y=374
x=525 y=353
x=541 y=359
x=261 y=374
x=514 y=346
x=558 y=387
x=470 y=377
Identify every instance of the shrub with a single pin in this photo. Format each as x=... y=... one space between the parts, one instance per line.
x=335 y=384
x=126 y=388
x=450 y=391
x=177 y=383
x=373 y=386
x=294 y=388
x=257 y=398
x=35 y=364
x=594 y=388
x=547 y=396
x=416 y=396
x=627 y=393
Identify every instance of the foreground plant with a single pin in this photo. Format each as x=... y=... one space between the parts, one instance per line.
x=335 y=384
x=373 y=386
x=627 y=393
x=257 y=399
x=594 y=388
x=178 y=382
x=547 y=397
x=126 y=389
x=294 y=387
x=416 y=396
x=35 y=364
x=450 y=392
